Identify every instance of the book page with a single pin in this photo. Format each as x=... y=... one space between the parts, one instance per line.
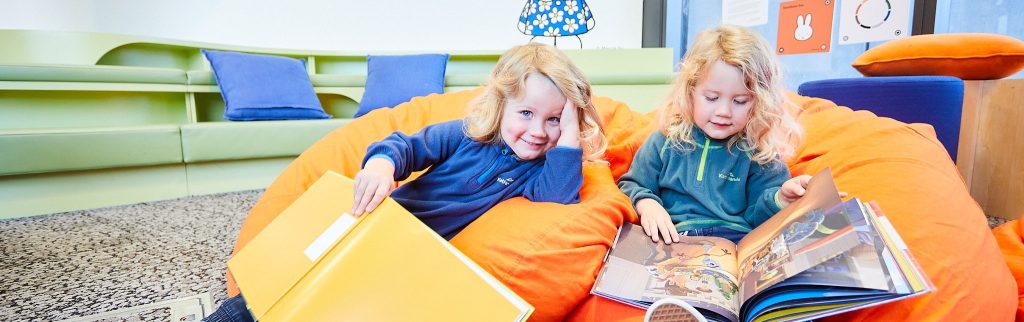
x=910 y=270
x=870 y=275
x=821 y=194
x=699 y=270
x=863 y=266
x=810 y=231
x=869 y=265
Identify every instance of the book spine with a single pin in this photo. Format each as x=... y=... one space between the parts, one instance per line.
x=612 y=246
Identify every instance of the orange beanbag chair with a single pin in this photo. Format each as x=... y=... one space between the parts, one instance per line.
x=547 y=253
x=1010 y=237
x=907 y=171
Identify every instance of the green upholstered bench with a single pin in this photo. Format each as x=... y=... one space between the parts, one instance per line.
x=221 y=141
x=48 y=150
x=92 y=119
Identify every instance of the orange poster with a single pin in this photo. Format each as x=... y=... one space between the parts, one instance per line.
x=805 y=26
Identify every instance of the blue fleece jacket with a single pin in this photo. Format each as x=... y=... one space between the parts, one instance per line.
x=466 y=177
x=710 y=185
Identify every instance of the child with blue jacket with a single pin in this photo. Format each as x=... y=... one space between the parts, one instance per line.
x=527 y=134
x=714 y=167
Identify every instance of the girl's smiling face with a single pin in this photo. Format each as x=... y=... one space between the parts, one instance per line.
x=530 y=123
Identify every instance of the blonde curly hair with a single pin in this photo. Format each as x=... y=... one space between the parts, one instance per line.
x=508 y=80
x=772 y=132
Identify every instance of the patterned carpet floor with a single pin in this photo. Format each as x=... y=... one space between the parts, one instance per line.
x=74 y=264
x=79 y=263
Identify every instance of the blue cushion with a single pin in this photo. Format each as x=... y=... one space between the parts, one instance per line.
x=935 y=100
x=393 y=80
x=263 y=87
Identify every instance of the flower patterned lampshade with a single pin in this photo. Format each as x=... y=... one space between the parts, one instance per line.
x=556 y=18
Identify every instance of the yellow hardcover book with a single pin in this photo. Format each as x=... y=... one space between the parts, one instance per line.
x=316 y=262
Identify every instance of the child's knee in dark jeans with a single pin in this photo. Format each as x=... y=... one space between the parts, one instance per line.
x=723 y=232
x=232 y=310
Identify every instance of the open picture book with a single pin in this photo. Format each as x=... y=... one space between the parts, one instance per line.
x=819 y=256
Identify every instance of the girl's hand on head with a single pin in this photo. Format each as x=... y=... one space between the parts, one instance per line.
x=793 y=189
x=655 y=221
x=569 y=124
x=373 y=183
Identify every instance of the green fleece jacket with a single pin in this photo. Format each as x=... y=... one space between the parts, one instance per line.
x=710 y=185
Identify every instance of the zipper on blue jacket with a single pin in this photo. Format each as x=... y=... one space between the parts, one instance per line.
x=481 y=178
x=703 y=158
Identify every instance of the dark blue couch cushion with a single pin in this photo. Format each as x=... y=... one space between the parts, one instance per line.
x=935 y=100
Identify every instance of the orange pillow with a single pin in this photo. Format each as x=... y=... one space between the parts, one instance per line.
x=906 y=170
x=966 y=56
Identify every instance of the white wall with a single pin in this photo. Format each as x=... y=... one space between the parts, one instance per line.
x=346 y=25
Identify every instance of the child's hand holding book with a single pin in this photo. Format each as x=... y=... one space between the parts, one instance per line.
x=795 y=188
x=373 y=183
x=792 y=189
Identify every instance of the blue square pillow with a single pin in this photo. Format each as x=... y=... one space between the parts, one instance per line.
x=393 y=80
x=263 y=87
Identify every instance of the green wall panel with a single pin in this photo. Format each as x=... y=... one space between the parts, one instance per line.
x=641 y=98
x=64 y=109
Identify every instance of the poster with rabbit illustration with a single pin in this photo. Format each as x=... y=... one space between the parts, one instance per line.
x=873 y=20
x=805 y=26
